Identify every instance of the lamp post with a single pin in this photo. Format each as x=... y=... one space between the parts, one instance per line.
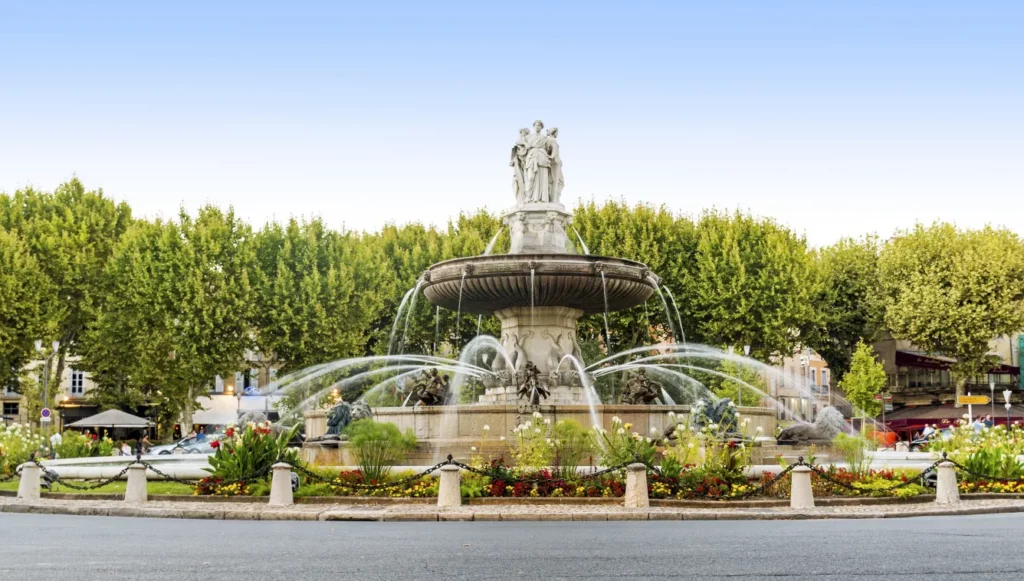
x=992 y=397
x=1006 y=395
x=46 y=381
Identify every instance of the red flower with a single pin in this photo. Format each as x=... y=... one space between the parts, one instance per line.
x=215 y=444
x=93 y=436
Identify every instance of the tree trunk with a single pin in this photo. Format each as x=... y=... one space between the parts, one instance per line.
x=961 y=385
x=187 y=408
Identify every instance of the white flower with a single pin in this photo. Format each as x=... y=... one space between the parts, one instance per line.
x=501 y=439
x=648 y=440
x=537 y=415
x=732 y=404
x=636 y=435
x=759 y=429
x=672 y=414
x=547 y=421
x=487 y=428
x=620 y=431
x=597 y=428
x=472 y=448
x=548 y=440
x=690 y=445
x=536 y=431
x=616 y=420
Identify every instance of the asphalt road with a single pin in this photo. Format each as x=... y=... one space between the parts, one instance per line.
x=58 y=548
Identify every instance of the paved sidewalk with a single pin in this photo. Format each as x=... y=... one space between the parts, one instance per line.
x=491 y=512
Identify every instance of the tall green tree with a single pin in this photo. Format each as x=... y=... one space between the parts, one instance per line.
x=72 y=234
x=317 y=292
x=648 y=234
x=848 y=300
x=181 y=311
x=751 y=283
x=951 y=292
x=25 y=304
x=864 y=379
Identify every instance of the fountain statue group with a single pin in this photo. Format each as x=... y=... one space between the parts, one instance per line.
x=431 y=389
x=537 y=166
x=641 y=390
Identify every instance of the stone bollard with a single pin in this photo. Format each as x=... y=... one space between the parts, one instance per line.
x=636 y=486
x=801 y=495
x=136 y=491
x=946 y=491
x=28 y=487
x=281 y=485
x=449 y=492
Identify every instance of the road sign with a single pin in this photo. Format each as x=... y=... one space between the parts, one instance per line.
x=973 y=399
x=45 y=415
x=883 y=397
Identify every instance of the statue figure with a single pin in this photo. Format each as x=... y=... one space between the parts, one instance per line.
x=344 y=414
x=641 y=390
x=517 y=163
x=537 y=168
x=827 y=425
x=557 y=182
x=531 y=387
x=431 y=390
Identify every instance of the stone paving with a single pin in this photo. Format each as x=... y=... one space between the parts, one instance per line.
x=491 y=512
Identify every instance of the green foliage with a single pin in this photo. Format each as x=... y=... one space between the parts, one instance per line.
x=993 y=463
x=251 y=450
x=378 y=446
x=751 y=283
x=26 y=307
x=848 y=300
x=864 y=380
x=180 y=312
x=317 y=293
x=17 y=444
x=534 y=448
x=77 y=445
x=854 y=452
x=71 y=233
x=572 y=445
x=620 y=445
x=951 y=291
x=728 y=387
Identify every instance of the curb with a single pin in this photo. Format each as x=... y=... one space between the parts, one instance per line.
x=382 y=515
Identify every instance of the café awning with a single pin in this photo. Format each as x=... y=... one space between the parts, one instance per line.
x=112 y=419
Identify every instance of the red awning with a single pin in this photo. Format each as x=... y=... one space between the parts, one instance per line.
x=944 y=416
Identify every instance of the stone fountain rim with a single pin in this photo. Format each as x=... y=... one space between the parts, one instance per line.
x=587 y=259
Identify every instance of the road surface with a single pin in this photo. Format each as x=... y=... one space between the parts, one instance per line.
x=81 y=548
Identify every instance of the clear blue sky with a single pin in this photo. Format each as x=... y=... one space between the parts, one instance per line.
x=835 y=118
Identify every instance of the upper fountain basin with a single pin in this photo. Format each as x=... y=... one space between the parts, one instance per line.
x=492 y=283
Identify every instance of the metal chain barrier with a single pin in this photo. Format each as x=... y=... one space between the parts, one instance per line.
x=356 y=486
x=980 y=476
x=548 y=480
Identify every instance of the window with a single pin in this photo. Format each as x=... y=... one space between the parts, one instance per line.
x=77 y=383
x=10 y=409
x=824 y=376
x=814 y=376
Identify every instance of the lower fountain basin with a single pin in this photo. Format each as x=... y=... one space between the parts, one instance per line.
x=485 y=284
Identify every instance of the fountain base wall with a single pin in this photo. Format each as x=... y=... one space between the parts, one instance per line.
x=441 y=430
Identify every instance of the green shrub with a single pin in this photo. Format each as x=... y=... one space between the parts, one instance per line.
x=378 y=446
x=623 y=447
x=255 y=449
x=77 y=445
x=853 y=449
x=17 y=443
x=993 y=463
x=572 y=444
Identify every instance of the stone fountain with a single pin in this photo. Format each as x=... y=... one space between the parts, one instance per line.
x=538 y=291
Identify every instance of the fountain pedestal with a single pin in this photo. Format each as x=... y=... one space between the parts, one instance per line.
x=543 y=336
x=539 y=228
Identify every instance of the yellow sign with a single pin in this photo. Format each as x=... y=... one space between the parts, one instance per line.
x=973 y=399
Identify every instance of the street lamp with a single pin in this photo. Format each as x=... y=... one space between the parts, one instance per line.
x=1006 y=395
x=46 y=379
x=992 y=398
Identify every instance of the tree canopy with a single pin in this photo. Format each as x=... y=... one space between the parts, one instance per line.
x=952 y=291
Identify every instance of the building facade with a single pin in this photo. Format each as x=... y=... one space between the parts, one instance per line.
x=802 y=385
